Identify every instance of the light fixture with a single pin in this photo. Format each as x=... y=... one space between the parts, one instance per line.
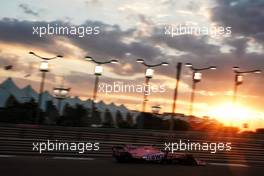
x=64 y=92
x=44 y=66
x=156 y=109
x=257 y=71
x=213 y=67
x=140 y=60
x=61 y=93
x=98 y=70
x=56 y=92
x=164 y=64
x=88 y=58
x=114 y=61
x=235 y=68
x=239 y=79
x=149 y=73
x=197 y=76
x=188 y=65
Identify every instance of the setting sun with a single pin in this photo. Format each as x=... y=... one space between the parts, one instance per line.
x=233 y=115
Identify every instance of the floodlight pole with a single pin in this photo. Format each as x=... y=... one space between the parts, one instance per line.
x=195 y=81
x=43 y=69
x=174 y=105
x=98 y=72
x=148 y=76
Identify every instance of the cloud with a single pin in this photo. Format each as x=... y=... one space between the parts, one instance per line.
x=26 y=9
x=240 y=45
x=245 y=17
x=20 y=32
x=15 y=61
x=112 y=43
x=93 y=2
x=169 y=3
x=193 y=6
x=6 y=60
x=109 y=43
x=187 y=43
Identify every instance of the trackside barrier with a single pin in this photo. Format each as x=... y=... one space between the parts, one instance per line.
x=18 y=140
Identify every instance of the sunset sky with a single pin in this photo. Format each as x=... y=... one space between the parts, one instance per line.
x=132 y=30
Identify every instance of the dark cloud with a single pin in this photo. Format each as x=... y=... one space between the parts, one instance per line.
x=16 y=31
x=244 y=16
x=240 y=45
x=195 y=47
x=108 y=44
x=26 y=9
x=111 y=43
x=21 y=33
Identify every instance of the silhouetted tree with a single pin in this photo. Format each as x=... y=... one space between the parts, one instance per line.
x=108 y=119
x=11 y=101
x=181 y=125
x=129 y=120
x=73 y=116
x=16 y=112
x=119 y=120
x=51 y=115
x=96 y=118
x=149 y=121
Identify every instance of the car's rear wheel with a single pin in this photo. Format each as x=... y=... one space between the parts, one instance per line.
x=189 y=160
x=126 y=157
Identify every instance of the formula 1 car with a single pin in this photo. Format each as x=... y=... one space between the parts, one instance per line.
x=150 y=154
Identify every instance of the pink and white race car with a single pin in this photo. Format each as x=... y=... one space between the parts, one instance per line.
x=130 y=153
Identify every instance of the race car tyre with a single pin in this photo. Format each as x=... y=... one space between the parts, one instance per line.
x=123 y=158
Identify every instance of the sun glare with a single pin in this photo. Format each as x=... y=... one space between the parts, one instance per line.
x=232 y=115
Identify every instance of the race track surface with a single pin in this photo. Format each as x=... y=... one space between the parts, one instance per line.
x=40 y=166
